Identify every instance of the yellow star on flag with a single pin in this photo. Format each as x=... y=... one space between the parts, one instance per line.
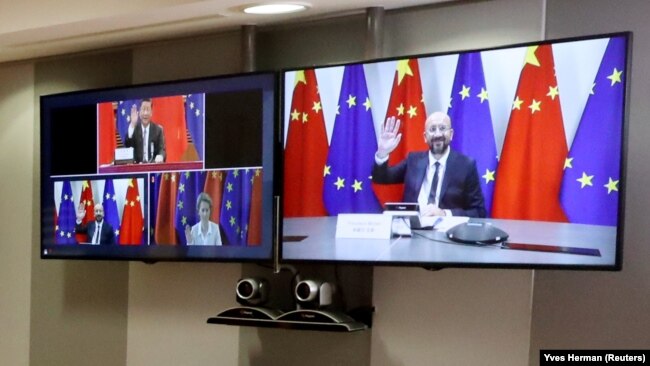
x=180 y=205
x=357 y=186
x=534 y=106
x=173 y=177
x=615 y=77
x=232 y=221
x=228 y=204
x=300 y=78
x=488 y=176
x=340 y=183
x=367 y=104
x=464 y=93
x=84 y=185
x=530 y=56
x=295 y=115
x=184 y=220
x=400 y=110
x=352 y=101
x=403 y=68
x=612 y=185
x=585 y=180
x=229 y=187
x=568 y=163
x=413 y=111
x=327 y=170
x=483 y=95
x=316 y=108
x=181 y=187
x=305 y=116
x=553 y=92
x=517 y=103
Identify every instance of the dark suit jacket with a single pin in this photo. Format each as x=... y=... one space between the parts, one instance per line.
x=460 y=191
x=106 y=237
x=156 y=136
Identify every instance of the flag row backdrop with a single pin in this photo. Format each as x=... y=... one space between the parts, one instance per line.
x=181 y=116
x=123 y=202
x=516 y=111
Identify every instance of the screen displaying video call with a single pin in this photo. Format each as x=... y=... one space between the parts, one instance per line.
x=527 y=138
x=171 y=171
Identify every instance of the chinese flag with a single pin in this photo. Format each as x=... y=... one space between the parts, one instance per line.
x=107 y=141
x=169 y=112
x=214 y=188
x=305 y=154
x=86 y=199
x=407 y=105
x=530 y=169
x=255 y=221
x=132 y=220
x=165 y=233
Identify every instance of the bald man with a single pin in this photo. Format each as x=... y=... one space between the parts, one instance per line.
x=442 y=181
x=99 y=231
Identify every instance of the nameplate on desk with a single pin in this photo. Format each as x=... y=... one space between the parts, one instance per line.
x=363 y=226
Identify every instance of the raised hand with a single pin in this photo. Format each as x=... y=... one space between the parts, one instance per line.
x=389 y=138
x=134 y=115
x=81 y=212
x=188 y=234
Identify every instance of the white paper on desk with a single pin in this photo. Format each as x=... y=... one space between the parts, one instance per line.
x=444 y=222
x=363 y=226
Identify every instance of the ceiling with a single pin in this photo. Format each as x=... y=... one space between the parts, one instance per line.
x=38 y=28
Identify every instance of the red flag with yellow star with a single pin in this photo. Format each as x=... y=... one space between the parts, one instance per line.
x=305 y=154
x=529 y=175
x=86 y=199
x=255 y=221
x=165 y=232
x=132 y=220
x=407 y=105
x=107 y=141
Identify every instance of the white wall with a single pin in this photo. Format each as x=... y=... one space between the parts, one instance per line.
x=17 y=209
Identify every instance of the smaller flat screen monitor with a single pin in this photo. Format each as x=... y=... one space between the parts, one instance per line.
x=177 y=171
x=528 y=138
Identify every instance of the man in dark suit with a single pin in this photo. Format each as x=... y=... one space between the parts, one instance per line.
x=146 y=137
x=99 y=231
x=444 y=182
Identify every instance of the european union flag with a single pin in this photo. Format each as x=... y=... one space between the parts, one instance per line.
x=195 y=117
x=124 y=115
x=469 y=111
x=110 y=208
x=347 y=175
x=189 y=187
x=65 y=233
x=235 y=206
x=590 y=186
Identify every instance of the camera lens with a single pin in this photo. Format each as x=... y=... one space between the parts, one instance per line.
x=245 y=289
x=303 y=290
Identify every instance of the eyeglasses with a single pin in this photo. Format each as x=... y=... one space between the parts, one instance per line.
x=441 y=129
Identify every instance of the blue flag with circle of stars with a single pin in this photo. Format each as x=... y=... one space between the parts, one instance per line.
x=111 y=214
x=469 y=111
x=67 y=217
x=347 y=184
x=590 y=185
x=235 y=206
x=189 y=187
x=195 y=118
x=124 y=116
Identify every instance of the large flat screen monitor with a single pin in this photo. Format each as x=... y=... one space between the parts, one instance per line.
x=528 y=138
x=177 y=171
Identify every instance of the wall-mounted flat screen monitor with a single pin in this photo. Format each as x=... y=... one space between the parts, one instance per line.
x=177 y=171
x=529 y=139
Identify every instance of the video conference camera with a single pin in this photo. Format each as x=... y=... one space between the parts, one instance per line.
x=252 y=291
x=314 y=294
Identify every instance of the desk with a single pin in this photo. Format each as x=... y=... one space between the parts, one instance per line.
x=151 y=167
x=321 y=245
